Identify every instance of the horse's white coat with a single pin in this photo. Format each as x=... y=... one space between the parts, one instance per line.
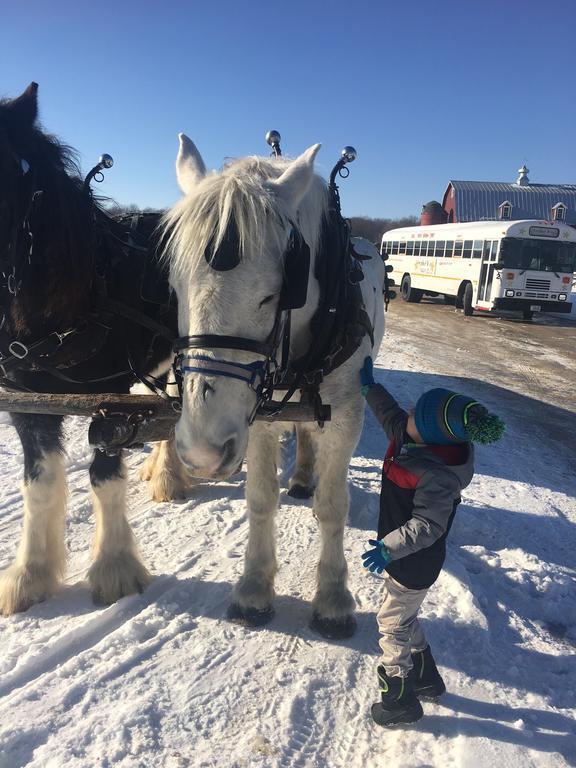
x=266 y=197
x=116 y=569
x=41 y=558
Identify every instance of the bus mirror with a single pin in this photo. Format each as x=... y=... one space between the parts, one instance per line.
x=391 y=294
x=499 y=265
x=389 y=268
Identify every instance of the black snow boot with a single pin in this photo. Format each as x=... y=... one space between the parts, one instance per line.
x=399 y=703
x=428 y=683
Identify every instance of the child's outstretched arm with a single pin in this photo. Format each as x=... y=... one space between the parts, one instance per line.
x=383 y=405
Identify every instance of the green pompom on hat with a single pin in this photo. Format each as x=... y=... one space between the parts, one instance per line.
x=484 y=427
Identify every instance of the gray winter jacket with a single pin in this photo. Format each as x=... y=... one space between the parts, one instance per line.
x=421 y=488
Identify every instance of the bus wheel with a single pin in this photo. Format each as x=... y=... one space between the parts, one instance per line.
x=450 y=300
x=409 y=294
x=527 y=314
x=467 y=300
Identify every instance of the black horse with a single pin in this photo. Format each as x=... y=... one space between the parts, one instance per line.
x=84 y=308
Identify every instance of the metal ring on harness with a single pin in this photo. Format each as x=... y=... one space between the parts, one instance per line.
x=17 y=349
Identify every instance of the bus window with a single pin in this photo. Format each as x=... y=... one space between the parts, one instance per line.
x=487 y=244
x=431 y=246
x=424 y=248
x=477 y=250
x=395 y=246
x=440 y=245
x=458 y=249
x=417 y=248
x=402 y=247
x=467 y=253
x=449 y=248
x=494 y=253
x=410 y=248
x=542 y=255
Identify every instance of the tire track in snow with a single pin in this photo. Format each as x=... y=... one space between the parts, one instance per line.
x=83 y=638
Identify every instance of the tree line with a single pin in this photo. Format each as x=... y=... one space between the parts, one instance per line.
x=373 y=229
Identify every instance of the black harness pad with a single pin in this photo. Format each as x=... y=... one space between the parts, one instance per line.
x=141 y=229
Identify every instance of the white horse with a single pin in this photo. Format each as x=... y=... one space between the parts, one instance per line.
x=267 y=199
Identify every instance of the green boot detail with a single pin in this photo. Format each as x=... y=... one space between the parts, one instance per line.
x=428 y=683
x=399 y=703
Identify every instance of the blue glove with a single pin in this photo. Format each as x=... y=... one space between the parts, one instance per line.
x=367 y=376
x=378 y=558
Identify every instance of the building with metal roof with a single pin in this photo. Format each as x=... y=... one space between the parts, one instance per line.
x=493 y=200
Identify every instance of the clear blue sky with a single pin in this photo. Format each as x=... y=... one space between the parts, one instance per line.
x=426 y=91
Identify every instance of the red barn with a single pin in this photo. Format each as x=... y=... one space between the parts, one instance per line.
x=493 y=200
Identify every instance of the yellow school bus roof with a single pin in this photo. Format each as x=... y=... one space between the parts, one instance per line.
x=486 y=230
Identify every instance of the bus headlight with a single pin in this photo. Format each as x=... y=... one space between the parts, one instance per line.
x=561 y=297
x=509 y=293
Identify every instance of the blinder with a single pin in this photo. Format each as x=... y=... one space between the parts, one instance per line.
x=227 y=255
x=296 y=272
x=296 y=263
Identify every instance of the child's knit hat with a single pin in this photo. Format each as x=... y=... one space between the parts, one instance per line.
x=443 y=418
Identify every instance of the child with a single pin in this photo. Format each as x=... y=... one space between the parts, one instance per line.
x=429 y=461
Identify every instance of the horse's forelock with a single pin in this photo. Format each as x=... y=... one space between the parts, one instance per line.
x=241 y=191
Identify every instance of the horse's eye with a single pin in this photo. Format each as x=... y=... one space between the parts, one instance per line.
x=267 y=300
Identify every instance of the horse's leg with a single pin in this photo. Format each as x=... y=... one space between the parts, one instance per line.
x=301 y=485
x=41 y=558
x=117 y=569
x=333 y=604
x=166 y=473
x=254 y=592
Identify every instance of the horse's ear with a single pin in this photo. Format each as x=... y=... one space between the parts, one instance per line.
x=190 y=168
x=296 y=179
x=24 y=108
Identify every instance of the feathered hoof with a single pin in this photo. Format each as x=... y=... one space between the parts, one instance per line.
x=114 y=576
x=24 y=586
x=298 y=491
x=333 y=629
x=249 y=617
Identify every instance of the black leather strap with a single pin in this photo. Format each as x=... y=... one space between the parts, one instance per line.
x=265 y=348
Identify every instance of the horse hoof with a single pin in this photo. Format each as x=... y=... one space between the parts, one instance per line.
x=333 y=629
x=249 y=617
x=298 y=491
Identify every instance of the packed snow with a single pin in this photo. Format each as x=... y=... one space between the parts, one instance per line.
x=162 y=679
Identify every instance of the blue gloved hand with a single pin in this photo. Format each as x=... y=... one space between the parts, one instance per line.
x=378 y=558
x=367 y=376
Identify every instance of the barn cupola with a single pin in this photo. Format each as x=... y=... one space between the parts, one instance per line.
x=432 y=213
x=523 y=180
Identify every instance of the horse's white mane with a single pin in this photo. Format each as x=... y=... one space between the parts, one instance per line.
x=241 y=190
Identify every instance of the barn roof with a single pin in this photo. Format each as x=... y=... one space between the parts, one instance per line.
x=477 y=200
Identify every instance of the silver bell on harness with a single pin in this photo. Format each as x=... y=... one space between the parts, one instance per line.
x=273 y=140
x=105 y=161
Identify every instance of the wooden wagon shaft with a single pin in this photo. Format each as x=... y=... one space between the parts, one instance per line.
x=120 y=421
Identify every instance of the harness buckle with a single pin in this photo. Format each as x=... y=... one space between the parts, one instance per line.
x=17 y=349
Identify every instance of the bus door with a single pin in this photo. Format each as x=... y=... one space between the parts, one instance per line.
x=488 y=274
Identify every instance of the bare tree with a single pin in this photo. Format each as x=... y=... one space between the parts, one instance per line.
x=373 y=229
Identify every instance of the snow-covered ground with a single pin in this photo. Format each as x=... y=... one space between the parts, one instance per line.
x=163 y=680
